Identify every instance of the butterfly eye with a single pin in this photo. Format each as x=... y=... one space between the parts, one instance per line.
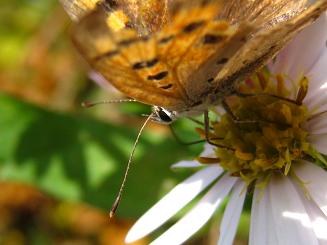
x=163 y=115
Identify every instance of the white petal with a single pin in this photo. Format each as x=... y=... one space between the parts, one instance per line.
x=318 y=125
x=219 y=110
x=170 y=204
x=199 y=215
x=207 y=152
x=287 y=206
x=318 y=221
x=318 y=103
x=317 y=93
x=319 y=141
x=315 y=179
x=232 y=214
x=262 y=229
x=281 y=64
x=313 y=38
x=295 y=60
x=318 y=74
x=187 y=164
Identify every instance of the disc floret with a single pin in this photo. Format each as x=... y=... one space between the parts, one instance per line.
x=269 y=135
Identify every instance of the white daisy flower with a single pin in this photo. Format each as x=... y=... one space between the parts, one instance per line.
x=272 y=160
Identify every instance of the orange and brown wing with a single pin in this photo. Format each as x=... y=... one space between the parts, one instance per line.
x=149 y=68
x=196 y=45
x=171 y=68
x=265 y=45
x=76 y=9
x=127 y=60
x=260 y=12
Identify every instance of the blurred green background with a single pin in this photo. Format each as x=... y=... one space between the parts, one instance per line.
x=61 y=165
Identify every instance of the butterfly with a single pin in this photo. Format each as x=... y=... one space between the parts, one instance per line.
x=183 y=56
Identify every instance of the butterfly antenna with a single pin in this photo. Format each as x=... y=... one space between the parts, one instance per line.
x=88 y=104
x=118 y=198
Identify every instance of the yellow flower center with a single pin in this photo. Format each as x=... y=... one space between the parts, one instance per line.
x=268 y=136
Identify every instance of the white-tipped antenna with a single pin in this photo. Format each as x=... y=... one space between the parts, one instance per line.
x=88 y=104
x=118 y=198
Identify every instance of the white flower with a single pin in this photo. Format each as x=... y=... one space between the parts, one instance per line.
x=291 y=208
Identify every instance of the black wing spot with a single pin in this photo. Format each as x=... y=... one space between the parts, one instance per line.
x=210 y=80
x=152 y=62
x=168 y=86
x=192 y=26
x=211 y=39
x=166 y=39
x=158 y=76
x=145 y=64
x=108 y=54
x=222 y=61
x=139 y=65
x=128 y=42
x=205 y=2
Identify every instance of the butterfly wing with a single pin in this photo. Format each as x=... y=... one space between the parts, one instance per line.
x=260 y=12
x=155 y=69
x=175 y=66
x=127 y=60
x=146 y=16
x=210 y=51
x=76 y=9
x=195 y=46
x=170 y=68
x=265 y=45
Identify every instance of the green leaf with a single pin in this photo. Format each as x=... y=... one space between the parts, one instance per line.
x=76 y=158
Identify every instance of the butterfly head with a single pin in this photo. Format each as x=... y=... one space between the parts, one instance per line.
x=162 y=115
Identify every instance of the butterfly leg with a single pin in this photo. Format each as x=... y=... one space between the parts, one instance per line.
x=301 y=93
x=316 y=115
x=236 y=119
x=207 y=131
x=182 y=142
x=198 y=122
x=243 y=95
